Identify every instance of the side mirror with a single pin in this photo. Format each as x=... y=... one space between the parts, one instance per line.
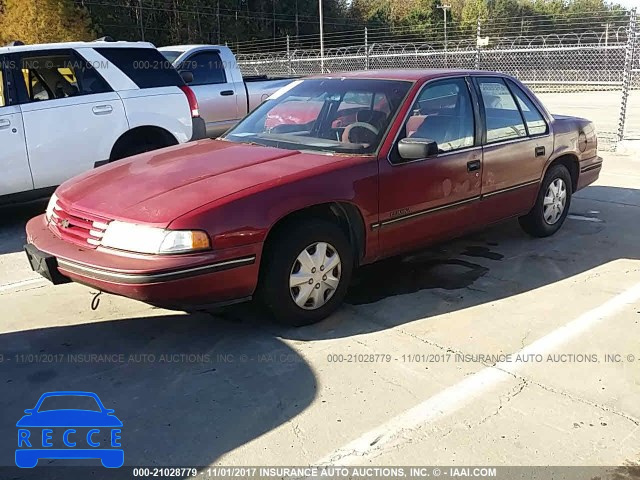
x=417 y=148
x=109 y=411
x=187 y=76
x=29 y=410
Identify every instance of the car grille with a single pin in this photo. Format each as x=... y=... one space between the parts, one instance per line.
x=78 y=227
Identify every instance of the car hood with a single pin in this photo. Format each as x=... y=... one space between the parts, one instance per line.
x=69 y=418
x=158 y=187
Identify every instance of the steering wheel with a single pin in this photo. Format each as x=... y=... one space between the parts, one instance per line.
x=347 y=131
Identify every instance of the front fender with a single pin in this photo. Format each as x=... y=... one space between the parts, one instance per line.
x=246 y=217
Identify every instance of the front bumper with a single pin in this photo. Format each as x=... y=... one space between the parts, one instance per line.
x=171 y=280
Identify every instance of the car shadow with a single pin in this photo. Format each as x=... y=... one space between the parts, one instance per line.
x=498 y=262
x=13 y=219
x=188 y=388
x=245 y=380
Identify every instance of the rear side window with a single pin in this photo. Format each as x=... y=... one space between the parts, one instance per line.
x=207 y=69
x=532 y=116
x=146 y=67
x=503 y=118
x=56 y=74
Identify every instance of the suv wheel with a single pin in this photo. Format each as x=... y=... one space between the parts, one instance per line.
x=306 y=272
x=552 y=205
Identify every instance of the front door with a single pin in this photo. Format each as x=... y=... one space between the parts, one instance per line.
x=425 y=200
x=71 y=116
x=16 y=176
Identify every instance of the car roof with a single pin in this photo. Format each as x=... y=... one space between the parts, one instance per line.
x=407 y=74
x=184 y=48
x=53 y=46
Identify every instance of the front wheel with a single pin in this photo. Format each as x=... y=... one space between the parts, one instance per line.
x=306 y=274
x=552 y=205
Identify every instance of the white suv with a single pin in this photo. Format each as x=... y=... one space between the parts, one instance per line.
x=69 y=107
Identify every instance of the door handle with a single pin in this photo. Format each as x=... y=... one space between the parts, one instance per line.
x=4 y=123
x=227 y=93
x=102 y=109
x=539 y=151
x=473 y=166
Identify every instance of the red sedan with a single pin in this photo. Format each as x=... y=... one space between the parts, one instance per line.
x=286 y=205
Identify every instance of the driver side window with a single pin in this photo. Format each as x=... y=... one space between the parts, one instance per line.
x=443 y=113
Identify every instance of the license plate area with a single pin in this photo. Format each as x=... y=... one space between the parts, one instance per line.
x=45 y=265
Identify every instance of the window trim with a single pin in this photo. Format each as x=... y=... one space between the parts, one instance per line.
x=510 y=84
x=477 y=121
x=204 y=52
x=21 y=88
x=6 y=99
x=483 y=112
x=10 y=93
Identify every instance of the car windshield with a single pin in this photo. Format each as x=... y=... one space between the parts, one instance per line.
x=170 y=55
x=331 y=115
x=69 y=402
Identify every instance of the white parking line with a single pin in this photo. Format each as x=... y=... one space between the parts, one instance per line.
x=457 y=396
x=23 y=283
x=584 y=219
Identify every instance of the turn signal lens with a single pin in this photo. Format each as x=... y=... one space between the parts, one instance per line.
x=179 y=241
x=200 y=241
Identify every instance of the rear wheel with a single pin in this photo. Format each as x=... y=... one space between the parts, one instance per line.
x=552 y=205
x=306 y=273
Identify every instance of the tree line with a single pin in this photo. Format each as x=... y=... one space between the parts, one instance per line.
x=242 y=23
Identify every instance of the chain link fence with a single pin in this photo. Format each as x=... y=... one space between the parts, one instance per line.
x=593 y=74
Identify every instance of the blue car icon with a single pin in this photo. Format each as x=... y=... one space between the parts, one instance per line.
x=48 y=431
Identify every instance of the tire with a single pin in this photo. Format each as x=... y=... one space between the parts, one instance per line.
x=543 y=223
x=281 y=263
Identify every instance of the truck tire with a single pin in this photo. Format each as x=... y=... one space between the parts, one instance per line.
x=306 y=272
x=552 y=205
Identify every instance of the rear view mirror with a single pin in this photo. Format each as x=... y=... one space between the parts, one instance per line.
x=417 y=148
x=186 y=76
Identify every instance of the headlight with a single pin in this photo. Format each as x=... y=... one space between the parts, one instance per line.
x=52 y=203
x=143 y=239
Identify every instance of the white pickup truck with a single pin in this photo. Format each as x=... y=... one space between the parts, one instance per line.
x=224 y=96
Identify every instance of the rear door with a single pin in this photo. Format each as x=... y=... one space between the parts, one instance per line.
x=217 y=95
x=16 y=175
x=517 y=144
x=426 y=200
x=71 y=116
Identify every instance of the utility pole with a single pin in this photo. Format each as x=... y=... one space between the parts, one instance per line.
x=321 y=36
x=218 y=20
x=297 y=27
x=141 y=22
x=445 y=8
x=274 y=23
x=606 y=44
